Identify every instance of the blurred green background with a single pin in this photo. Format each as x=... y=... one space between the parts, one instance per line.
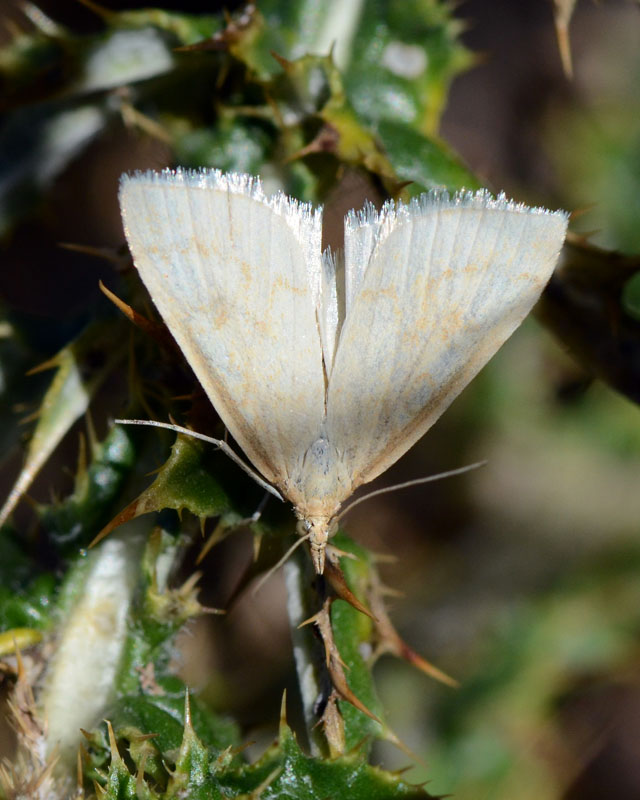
x=522 y=579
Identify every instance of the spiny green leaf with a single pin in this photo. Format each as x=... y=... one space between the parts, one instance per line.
x=425 y=161
x=184 y=482
x=283 y=773
x=403 y=57
x=81 y=367
x=156 y=615
x=186 y=28
x=398 y=57
x=75 y=520
x=162 y=715
x=26 y=597
x=132 y=45
x=192 y=775
x=320 y=121
x=286 y=773
x=28 y=606
x=121 y=784
x=172 y=755
x=235 y=144
x=353 y=632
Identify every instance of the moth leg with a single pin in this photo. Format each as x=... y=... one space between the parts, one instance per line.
x=219 y=443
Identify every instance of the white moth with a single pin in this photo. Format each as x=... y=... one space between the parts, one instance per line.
x=326 y=370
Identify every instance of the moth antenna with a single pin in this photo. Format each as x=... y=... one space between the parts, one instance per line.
x=279 y=563
x=429 y=479
x=221 y=445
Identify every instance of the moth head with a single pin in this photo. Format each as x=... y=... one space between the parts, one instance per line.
x=317 y=530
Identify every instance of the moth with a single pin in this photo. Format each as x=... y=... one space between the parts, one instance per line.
x=326 y=368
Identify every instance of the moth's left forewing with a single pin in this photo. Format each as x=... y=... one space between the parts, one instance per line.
x=237 y=278
x=448 y=281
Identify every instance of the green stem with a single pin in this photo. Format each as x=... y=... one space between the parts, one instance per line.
x=313 y=679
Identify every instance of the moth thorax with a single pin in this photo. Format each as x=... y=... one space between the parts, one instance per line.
x=322 y=475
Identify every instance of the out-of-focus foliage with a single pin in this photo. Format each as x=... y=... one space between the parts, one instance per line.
x=493 y=733
x=589 y=304
x=595 y=149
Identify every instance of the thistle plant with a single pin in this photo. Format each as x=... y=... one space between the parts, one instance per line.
x=96 y=583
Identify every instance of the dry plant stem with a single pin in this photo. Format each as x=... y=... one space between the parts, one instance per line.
x=313 y=677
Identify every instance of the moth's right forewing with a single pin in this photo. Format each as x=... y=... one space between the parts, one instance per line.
x=229 y=272
x=446 y=284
